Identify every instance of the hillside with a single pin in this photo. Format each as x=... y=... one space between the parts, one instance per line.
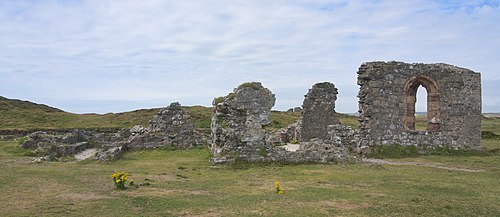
x=15 y=104
x=25 y=115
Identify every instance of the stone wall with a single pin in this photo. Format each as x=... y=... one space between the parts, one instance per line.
x=290 y=134
x=387 y=99
x=238 y=135
x=172 y=126
x=237 y=123
x=318 y=111
x=57 y=146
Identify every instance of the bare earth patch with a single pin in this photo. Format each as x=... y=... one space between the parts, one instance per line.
x=291 y=147
x=159 y=192
x=208 y=213
x=87 y=154
x=77 y=197
x=326 y=206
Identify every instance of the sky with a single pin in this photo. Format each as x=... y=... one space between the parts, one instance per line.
x=112 y=56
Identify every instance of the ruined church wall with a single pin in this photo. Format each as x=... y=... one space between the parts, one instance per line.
x=238 y=133
x=237 y=124
x=383 y=105
x=318 y=111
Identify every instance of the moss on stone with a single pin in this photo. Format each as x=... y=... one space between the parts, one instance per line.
x=253 y=85
x=218 y=100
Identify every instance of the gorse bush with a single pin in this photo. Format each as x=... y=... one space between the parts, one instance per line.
x=120 y=178
x=278 y=188
x=489 y=135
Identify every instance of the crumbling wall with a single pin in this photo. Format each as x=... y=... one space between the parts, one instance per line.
x=237 y=132
x=387 y=105
x=237 y=123
x=172 y=126
x=318 y=111
x=62 y=146
x=290 y=134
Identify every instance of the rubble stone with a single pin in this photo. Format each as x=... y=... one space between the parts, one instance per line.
x=111 y=154
x=172 y=126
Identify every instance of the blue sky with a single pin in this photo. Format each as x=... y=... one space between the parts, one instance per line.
x=111 y=56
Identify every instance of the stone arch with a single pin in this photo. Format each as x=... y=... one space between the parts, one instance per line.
x=433 y=104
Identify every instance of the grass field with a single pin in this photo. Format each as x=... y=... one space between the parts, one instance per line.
x=19 y=115
x=183 y=183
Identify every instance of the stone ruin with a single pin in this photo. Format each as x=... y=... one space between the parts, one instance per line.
x=319 y=111
x=171 y=127
x=237 y=124
x=64 y=146
x=387 y=99
x=238 y=134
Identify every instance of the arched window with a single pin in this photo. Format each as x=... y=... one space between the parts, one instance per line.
x=421 y=109
x=433 y=107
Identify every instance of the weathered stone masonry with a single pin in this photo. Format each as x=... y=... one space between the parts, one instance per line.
x=171 y=127
x=238 y=134
x=237 y=123
x=319 y=111
x=387 y=105
x=387 y=99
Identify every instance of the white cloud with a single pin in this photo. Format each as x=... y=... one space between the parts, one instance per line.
x=138 y=52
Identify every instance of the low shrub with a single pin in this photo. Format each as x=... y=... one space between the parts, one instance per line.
x=489 y=135
x=278 y=188
x=119 y=179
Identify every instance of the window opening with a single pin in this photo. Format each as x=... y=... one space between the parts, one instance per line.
x=430 y=121
x=421 y=109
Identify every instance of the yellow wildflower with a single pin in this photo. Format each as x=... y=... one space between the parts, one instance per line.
x=278 y=188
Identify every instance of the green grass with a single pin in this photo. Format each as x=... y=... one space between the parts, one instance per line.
x=21 y=115
x=349 y=120
x=183 y=183
x=401 y=151
x=201 y=116
x=491 y=124
x=38 y=119
x=280 y=119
